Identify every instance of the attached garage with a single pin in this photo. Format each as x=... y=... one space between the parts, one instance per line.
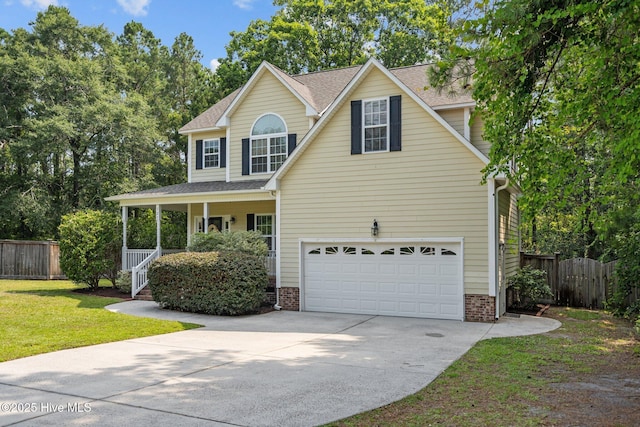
x=406 y=278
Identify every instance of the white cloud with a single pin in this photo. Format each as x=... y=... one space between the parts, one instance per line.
x=134 y=7
x=39 y=4
x=243 y=4
x=214 y=63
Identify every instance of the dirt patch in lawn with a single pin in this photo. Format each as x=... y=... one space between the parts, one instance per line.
x=585 y=373
x=601 y=386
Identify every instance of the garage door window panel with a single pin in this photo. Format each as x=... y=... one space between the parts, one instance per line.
x=427 y=250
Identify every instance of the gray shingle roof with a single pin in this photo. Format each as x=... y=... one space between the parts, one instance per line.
x=210 y=117
x=193 y=187
x=415 y=77
x=325 y=86
x=321 y=88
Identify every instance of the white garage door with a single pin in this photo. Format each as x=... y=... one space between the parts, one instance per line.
x=398 y=279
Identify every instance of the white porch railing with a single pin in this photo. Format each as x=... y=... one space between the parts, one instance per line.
x=139 y=277
x=134 y=257
x=270 y=263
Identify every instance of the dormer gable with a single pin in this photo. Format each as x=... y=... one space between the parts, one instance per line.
x=299 y=90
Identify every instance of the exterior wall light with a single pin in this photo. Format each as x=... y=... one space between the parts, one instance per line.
x=374 y=228
x=233 y=220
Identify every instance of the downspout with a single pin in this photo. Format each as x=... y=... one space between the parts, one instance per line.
x=497 y=243
x=276 y=194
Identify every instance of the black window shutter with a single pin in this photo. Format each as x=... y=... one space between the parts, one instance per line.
x=223 y=152
x=251 y=222
x=395 y=122
x=199 y=154
x=245 y=156
x=291 y=142
x=356 y=127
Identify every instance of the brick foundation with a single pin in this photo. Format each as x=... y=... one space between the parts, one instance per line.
x=271 y=291
x=479 y=308
x=290 y=299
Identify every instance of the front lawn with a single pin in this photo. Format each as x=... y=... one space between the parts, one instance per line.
x=584 y=373
x=39 y=316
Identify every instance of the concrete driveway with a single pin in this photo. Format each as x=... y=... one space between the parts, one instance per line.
x=276 y=369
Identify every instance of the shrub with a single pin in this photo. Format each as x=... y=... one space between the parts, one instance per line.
x=90 y=246
x=220 y=283
x=248 y=242
x=123 y=281
x=529 y=286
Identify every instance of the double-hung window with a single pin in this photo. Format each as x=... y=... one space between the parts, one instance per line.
x=268 y=144
x=265 y=224
x=211 y=153
x=375 y=125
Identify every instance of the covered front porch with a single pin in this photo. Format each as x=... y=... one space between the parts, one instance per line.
x=210 y=207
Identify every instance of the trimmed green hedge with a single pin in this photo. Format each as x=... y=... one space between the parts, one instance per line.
x=248 y=242
x=220 y=283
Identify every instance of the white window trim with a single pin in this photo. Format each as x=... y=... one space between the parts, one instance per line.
x=387 y=125
x=274 y=232
x=204 y=156
x=268 y=137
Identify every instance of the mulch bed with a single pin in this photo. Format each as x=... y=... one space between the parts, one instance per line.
x=104 y=292
x=115 y=293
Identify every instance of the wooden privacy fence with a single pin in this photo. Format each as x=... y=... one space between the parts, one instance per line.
x=578 y=282
x=30 y=260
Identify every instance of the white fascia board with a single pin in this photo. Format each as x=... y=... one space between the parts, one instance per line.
x=191 y=131
x=224 y=118
x=454 y=106
x=126 y=197
x=271 y=184
x=338 y=101
x=433 y=114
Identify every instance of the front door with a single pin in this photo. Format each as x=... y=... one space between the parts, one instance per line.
x=215 y=224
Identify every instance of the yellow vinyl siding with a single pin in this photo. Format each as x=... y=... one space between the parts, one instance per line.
x=455 y=118
x=205 y=174
x=476 y=135
x=239 y=210
x=509 y=231
x=267 y=96
x=429 y=189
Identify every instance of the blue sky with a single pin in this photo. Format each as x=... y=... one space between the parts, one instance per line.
x=208 y=22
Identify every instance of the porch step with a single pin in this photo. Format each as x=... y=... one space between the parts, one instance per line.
x=144 y=294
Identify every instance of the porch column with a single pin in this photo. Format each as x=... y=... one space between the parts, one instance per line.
x=189 y=231
x=125 y=217
x=205 y=214
x=158 y=222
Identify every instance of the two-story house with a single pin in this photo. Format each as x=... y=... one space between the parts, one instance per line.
x=366 y=186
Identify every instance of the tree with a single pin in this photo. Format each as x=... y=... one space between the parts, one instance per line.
x=558 y=85
x=312 y=35
x=86 y=115
x=90 y=244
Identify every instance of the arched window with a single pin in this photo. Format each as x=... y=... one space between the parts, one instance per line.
x=268 y=143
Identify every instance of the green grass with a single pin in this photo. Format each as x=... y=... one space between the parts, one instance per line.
x=43 y=316
x=508 y=381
